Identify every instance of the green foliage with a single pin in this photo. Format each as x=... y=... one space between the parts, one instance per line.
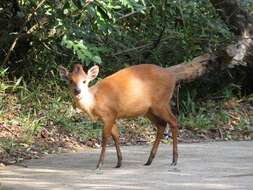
x=198 y=120
x=10 y=86
x=188 y=105
x=117 y=33
x=227 y=115
x=84 y=53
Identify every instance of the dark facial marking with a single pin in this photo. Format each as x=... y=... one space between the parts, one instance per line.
x=77 y=91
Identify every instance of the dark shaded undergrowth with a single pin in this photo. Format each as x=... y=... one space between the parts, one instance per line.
x=41 y=120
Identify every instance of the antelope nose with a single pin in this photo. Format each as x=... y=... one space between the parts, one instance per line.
x=77 y=91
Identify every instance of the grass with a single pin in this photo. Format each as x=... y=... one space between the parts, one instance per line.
x=231 y=116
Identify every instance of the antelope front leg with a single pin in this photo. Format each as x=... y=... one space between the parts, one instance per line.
x=115 y=136
x=106 y=135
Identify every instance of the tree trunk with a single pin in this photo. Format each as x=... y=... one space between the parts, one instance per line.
x=239 y=53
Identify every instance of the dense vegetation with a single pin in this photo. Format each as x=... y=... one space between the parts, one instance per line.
x=36 y=36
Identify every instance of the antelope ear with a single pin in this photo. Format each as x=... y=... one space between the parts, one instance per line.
x=64 y=73
x=93 y=73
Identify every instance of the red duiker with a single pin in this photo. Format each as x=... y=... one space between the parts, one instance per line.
x=140 y=90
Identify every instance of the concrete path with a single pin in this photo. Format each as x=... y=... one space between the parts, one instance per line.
x=212 y=166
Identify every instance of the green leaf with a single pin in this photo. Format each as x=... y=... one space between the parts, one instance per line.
x=102 y=12
x=97 y=59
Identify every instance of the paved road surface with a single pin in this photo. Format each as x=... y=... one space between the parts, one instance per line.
x=205 y=166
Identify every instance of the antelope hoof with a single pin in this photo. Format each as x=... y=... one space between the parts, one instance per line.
x=118 y=165
x=174 y=163
x=148 y=163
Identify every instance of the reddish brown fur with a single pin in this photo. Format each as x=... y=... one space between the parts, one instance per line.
x=76 y=75
x=140 y=90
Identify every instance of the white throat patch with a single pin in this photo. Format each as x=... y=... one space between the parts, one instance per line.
x=86 y=100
